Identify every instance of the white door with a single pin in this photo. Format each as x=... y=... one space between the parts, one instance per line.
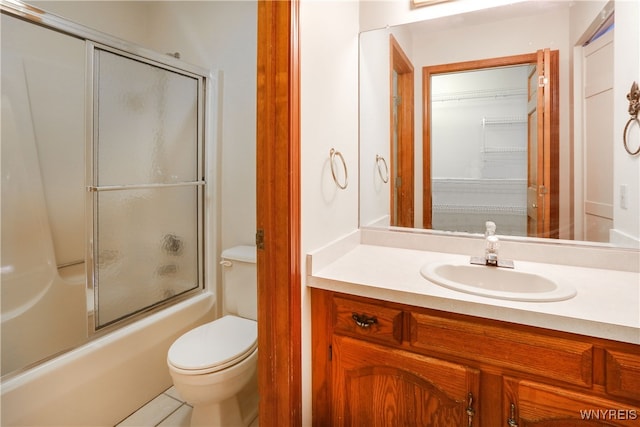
x=598 y=139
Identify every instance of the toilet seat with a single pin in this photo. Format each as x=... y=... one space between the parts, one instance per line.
x=214 y=346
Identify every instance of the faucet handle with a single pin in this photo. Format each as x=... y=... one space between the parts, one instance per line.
x=490 y=228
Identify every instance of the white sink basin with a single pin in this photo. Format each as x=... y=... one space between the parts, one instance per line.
x=494 y=282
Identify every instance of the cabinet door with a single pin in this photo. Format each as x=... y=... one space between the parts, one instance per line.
x=530 y=404
x=373 y=385
x=623 y=374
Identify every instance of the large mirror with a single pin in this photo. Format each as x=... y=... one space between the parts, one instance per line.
x=450 y=136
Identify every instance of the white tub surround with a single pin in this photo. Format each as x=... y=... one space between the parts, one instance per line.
x=100 y=383
x=386 y=265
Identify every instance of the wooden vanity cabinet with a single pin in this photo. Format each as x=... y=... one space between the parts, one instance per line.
x=377 y=363
x=532 y=404
x=373 y=385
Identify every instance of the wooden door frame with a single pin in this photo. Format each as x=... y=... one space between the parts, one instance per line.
x=400 y=63
x=278 y=213
x=552 y=137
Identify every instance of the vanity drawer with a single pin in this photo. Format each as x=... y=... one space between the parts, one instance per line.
x=623 y=374
x=552 y=357
x=369 y=321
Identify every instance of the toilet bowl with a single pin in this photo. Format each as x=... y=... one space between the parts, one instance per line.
x=214 y=366
x=211 y=365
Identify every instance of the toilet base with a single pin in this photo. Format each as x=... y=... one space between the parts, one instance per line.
x=239 y=410
x=220 y=414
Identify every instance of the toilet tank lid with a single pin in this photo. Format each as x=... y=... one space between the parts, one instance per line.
x=244 y=253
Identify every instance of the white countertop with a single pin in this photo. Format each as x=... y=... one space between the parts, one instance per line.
x=607 y=304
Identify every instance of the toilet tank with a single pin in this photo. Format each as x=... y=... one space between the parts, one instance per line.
x=240 y=281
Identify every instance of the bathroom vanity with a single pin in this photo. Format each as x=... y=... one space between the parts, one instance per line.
x=393 y=348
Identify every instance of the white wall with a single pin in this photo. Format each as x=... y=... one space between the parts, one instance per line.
x=375 y=122
x=381 y=13
x=374 y=126
x=329 y=106
x=626 y=221
x=125 y=20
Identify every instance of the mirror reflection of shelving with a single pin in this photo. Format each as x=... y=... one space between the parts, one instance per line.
x=479 y=150
x=504 y=147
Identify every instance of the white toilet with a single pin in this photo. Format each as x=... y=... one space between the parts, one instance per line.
x=214 y=366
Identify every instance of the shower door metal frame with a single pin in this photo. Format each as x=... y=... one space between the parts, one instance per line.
x=150 y=58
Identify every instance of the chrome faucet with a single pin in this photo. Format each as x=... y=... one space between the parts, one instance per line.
x=491 y=247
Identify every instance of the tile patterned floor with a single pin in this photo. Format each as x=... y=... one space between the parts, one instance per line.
x=166 y=410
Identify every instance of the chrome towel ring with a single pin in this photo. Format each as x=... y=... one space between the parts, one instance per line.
x=332 y=155
x=634 y=107
x=384 y=175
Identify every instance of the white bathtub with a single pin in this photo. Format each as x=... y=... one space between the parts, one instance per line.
x=42 y=315
x=105 y=380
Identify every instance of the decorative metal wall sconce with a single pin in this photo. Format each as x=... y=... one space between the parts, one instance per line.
x=634 y=107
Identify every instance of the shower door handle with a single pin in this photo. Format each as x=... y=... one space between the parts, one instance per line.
x=93 y=188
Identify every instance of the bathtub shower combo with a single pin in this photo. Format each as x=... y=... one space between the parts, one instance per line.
x=103 y=185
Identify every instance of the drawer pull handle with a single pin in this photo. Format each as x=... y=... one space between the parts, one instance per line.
x=363 y=320
x=511 y=421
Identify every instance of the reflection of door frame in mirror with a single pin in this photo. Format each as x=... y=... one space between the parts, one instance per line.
x=546 y=192
x=401 y=136
x=548 y=135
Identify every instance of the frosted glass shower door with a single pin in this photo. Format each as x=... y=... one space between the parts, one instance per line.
x=147 y=185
